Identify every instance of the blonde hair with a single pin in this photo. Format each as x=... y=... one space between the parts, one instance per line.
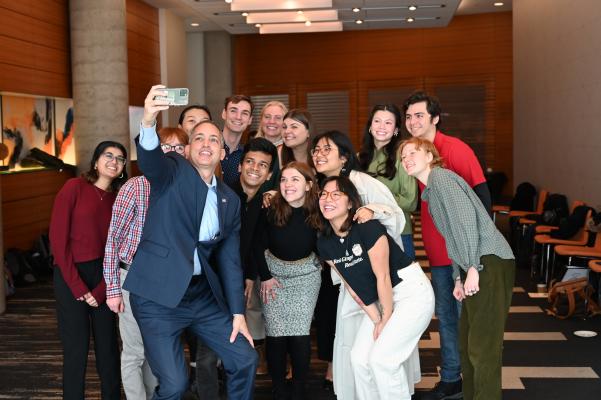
x=269 y=104
x=427 y=146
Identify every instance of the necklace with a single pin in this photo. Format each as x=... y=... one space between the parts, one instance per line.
x=99 y=192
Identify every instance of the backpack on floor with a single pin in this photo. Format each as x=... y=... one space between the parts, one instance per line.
x=566 y=296
x=19 y=267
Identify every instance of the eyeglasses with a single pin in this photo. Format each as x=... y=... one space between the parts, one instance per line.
x=178 y=148
x=325 y=150
x=334 y=195
x=110 y=157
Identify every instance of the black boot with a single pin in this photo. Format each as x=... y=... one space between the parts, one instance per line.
x=298 y=390
x=445 y=391
x=279 y=392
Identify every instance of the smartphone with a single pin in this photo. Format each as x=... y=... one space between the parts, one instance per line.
x=175 y=96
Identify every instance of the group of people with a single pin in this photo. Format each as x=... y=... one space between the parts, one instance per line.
x=299 y=227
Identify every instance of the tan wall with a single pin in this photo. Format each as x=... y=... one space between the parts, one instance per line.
x=557 y=96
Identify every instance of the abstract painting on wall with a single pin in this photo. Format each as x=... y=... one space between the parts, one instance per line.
x=27 y=122
x=64 y=136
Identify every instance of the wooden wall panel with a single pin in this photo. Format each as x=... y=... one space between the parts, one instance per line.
x=473 y=49
x=143 y=52
x=35 y=48
x=27 y=199
x=34 y=43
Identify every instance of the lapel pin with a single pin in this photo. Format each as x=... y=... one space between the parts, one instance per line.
x=224 y=200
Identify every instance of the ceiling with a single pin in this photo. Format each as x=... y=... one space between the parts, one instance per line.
x=216 y=15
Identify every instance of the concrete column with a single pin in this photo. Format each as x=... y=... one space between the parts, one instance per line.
x=99 y=71
x=218 y=71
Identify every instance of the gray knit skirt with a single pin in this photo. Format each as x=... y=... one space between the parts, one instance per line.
x=291 y=312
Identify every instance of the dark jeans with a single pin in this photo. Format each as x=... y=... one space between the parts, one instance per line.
x=74 y=321
x=447 y=311
x=408 y=246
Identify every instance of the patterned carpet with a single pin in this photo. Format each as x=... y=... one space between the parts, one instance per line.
x=542 y=359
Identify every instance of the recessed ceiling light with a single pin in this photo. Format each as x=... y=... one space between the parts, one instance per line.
x=498 y=4
x=257 y=25
x=228 y=1
x=300 y=12
x=356 y=9
x=194 y=24
x=245 y=14
x=359 y=21
x=307 y=23
x=412 y=8
x=410 y=20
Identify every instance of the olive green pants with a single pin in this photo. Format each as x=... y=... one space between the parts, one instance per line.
x=481 y=329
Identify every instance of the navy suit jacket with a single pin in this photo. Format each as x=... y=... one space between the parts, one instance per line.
x=163 y=265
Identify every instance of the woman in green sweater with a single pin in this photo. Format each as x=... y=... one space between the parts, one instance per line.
x=483 y=266
x=378 y=157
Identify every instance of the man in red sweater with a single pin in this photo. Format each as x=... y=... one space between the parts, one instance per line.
x=422 y=117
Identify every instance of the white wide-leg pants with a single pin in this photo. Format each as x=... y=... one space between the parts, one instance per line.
x=379 y=367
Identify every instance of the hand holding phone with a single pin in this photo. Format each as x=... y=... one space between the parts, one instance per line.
x=175 y=96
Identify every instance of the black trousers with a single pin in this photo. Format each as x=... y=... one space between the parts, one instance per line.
x=75 y=318
x=299 y=348
x=325 y=316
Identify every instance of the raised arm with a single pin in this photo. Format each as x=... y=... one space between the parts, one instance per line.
x=155 y=166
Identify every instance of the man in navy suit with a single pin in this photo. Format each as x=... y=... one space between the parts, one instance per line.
x=186 y=272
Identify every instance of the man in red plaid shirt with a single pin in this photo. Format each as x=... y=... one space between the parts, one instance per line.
x=125 y=231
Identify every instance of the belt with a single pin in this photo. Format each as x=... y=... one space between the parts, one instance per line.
x=124 y=265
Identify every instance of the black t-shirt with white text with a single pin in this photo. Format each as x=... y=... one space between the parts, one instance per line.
x=349 y=256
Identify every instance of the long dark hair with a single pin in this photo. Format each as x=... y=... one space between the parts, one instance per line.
x=366 y=155
x=91 y=175
x=345 y=149
x=280 y=211
x=304 y=117
x=347 y=187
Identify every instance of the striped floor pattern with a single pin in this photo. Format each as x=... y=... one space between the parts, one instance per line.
x=542 y=359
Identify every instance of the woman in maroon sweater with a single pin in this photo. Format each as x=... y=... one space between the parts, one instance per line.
x=78 y=232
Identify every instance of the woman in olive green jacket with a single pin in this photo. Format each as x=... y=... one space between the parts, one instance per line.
x=378 y=157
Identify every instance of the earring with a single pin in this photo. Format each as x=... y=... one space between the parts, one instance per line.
x=343 y=169
x=96 y=166
x=396 y=132
x=121 y=177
